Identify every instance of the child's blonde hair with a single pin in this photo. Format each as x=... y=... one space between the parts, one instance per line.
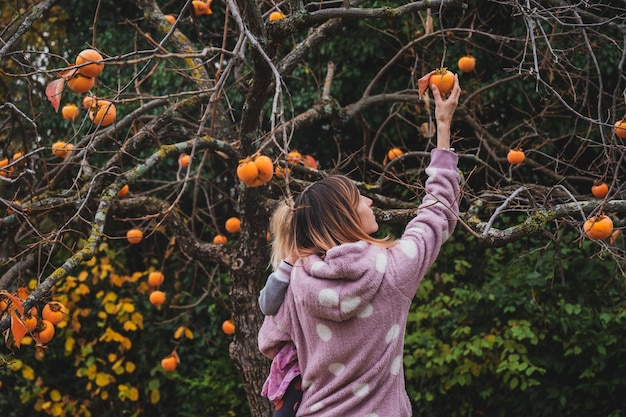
x=282 y=236
x=323 y=216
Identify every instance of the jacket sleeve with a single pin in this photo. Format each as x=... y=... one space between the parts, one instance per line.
x=434 y=222
x=273 y=294
x=272 y=335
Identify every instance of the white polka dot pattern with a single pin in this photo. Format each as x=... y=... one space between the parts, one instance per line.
x=360 y=390
x=317 y=267
x=317 y=406
x=324 y=332
x=328 y=298
x=349 y=304
x=381 y=262
x=336 y=368
x=367 y=311
x=408 y=247
x=393 y=333
x=396 y=365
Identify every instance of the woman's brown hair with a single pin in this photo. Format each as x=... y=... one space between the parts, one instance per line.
x=325 y=215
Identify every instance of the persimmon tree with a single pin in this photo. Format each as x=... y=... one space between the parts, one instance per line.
x=332 y=82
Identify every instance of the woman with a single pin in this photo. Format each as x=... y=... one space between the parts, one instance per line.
x=348 y=294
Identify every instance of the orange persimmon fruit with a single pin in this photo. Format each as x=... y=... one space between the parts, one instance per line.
x=44 y=332
x=276 y=15
x=620 y=129
x=30 y=321
x=134 y=236
x=89 y=70
x=80 y=83
x=169 y=363
x=515 y=156
x=54 y=312
x=155 y=278
x=233 y=225
x=228 y=327
x=220 y=239
x=599 y=189
x=62 y=149
x=393 y=153
x=102 y=112
x=598 y=227
x=157 y=298
x=443 y=79
x=70 y=112
x=467 y=63
x=184 y=160
x=255 y=172
x=201 y=8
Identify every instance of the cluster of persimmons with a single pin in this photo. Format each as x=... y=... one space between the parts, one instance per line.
x=31 y=324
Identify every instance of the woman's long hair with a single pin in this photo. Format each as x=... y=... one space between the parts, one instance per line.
x=323 y=216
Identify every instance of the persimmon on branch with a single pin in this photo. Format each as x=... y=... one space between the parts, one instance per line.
x=106 y=200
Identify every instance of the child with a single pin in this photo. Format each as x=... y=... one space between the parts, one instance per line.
x=283 y=385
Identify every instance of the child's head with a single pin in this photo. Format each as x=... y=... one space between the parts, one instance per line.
x=280 y=228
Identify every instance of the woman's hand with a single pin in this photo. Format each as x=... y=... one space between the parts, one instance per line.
x=444 y=111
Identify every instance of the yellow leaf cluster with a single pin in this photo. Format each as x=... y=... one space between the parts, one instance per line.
x=182 y=330
x=111 y=335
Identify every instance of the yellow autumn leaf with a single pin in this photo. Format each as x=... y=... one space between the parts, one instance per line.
x=109 y=297
x=137 y=318
x=129 y=326
x=70 y=282
x=82 y=276
x=69 y=344
x=57 y=409
x=104 y=395
x=118 y=363
x=128 y=307
x=117 y=280
x=179 y=332
x=28 y=373
x=55 y=395
x=83 y=289
x=102 y=379
x=126 y=343
x=16 y=365
x=130 y=367
x=133 y=394
x=182 y=330
x=155 y=396
x=111 y=308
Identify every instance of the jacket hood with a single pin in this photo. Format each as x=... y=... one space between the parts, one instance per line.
x=341 y=285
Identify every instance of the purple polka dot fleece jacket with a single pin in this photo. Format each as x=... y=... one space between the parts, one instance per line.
x=347 y=313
